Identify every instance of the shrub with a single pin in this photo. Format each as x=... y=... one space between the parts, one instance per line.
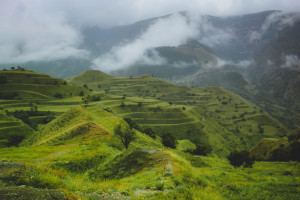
x=81 y=93
x=133 y=124
x=169 y=140
x=150 y=132
x=238 y=159
x=58 y=95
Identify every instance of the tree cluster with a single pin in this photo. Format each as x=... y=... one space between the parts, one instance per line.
x=238 y=159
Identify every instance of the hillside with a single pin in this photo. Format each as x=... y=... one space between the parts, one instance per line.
x=24 y=84
x=277 y=73
x=12 y=130
x=211 y=114
x=77 y=155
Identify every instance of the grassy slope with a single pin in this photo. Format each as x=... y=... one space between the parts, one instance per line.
x=79 y=153
x=10 y=126
x=60 y=156
x=214 y=114
x=28 y=85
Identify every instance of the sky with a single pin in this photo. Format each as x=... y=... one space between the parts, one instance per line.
x=33 y=30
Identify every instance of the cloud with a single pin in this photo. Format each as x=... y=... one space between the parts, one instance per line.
x=212 y=36
x=34 y=30
x=171 y=31
x=240 y=63
x=27 y=34
x=280 y=19
x=291 y=61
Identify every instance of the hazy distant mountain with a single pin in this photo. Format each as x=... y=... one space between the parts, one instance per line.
x=213 y=51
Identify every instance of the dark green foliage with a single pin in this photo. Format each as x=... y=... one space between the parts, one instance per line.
x=150 y=132
x=3 y=79
x=49 y=118
x=15 y=139
x=81 y=93
x=96 y=98
x=169 y=140
x=107 y=109
x=133 y=124
x=202 y=149
x=25 y=115
x=8 y=95
x=238 y=159
x=127 y=134
x=85 y=86
x=64 y=83
x=122 y=105
x=58 y=95
x=286 y=153
x=86 y=100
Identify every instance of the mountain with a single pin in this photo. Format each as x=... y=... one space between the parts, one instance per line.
x=232 y=52
x=277 y=70
x=79 y=155
x=211 y=114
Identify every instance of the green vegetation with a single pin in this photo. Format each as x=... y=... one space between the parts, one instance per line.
x=78 y=151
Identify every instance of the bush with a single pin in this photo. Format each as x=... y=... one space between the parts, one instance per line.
x=238 y=159
x=133 y=124
x=202 y=149
x=150 y=132
x=169 y=140
x=58 y=95
x=81 y=93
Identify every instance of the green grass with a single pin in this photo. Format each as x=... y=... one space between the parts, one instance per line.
x=78 y=151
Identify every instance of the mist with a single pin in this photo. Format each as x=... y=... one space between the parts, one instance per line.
x=279 y=19
x=38 y=30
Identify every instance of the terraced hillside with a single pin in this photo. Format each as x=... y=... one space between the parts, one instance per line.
x=12 y=130
x=26 y=85
x=20 y=89
x=78 y=156
x=223 y=119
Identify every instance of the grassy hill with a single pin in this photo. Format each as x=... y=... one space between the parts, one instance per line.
x=23 y=84
x=215 y=115
x=12 y=130
x=79 y=155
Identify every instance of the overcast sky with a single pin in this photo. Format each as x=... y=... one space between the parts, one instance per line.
x=50 y=29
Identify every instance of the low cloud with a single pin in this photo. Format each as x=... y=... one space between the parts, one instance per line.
x=27 y=34
x=291 y=61
x=280 y=19
x=240 y=63
x=170 y=31
x=212 y=36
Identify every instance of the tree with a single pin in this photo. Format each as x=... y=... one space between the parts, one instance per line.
x=81 y=93
x=202 y=149
x=58 y=95
x=127 y=134
x=133 y=124
x=238 y=159
x=86 y=100
x=169 y=140
x=150 y=132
